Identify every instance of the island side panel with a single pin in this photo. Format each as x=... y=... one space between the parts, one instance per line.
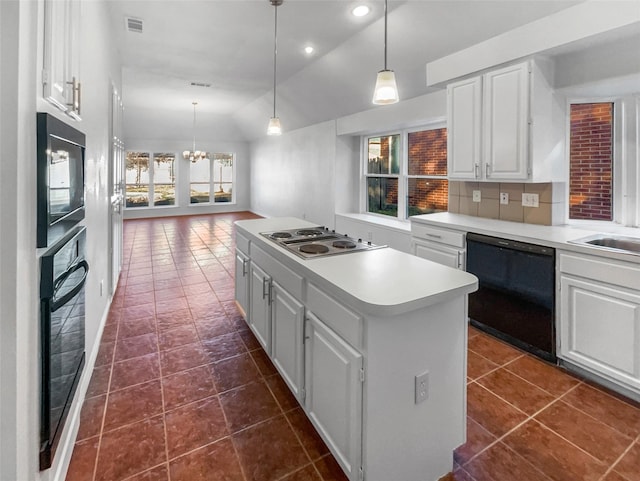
x=402 y=439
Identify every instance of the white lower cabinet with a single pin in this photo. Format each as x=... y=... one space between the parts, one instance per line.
x=333 y=403
x=242 y=282
x=260 y=305
x=443 y=246
x=448 y=256
x=600 y=317
x=287 y=342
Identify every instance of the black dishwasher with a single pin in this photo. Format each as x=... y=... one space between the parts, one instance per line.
x=515 y=298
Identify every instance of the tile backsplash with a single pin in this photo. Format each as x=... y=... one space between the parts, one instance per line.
x=550 y=210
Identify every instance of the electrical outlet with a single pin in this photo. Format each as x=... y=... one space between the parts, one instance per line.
x=504 y=197
x=530 y=200
x=422 y=387
x=476 y=196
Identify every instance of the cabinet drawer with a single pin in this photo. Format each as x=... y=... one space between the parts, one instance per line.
x=288 y=279
x=242 y=243
x=444 y=236
x=606 y=270
x=345 y=322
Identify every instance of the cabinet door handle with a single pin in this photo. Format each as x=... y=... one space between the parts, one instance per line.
x=475 y=170
x=75 y=96
x=265 y=291
x=244 y=267
x=459 y=261
x=486 y=170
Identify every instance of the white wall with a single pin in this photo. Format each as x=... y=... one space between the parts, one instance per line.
x=241 y=168
x=18 y=268
x=21 y=57
x=294 y=174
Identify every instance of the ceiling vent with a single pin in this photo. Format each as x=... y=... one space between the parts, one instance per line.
x=200 y=84
x=133 y=24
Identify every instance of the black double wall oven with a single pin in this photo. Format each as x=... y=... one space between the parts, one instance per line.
x=516 y=294
x=63 y=273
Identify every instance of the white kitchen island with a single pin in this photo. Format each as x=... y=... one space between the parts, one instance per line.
x=371 y=343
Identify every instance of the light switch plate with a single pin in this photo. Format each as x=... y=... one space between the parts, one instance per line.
x=422 y=387
x=504 y=197
x=530 y=200
x=476 y=196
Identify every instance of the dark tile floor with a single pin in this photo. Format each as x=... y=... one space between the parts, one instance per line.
x=182 y=391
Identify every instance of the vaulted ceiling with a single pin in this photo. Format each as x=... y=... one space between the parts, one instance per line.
x=228 y=44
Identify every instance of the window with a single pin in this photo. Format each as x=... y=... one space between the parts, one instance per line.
x=150 y=179
x=137 y=179
x=428 y=189
x=212 y=175
x=164 y=179
x=405 y=181
x=383 y=169
x=591 y=161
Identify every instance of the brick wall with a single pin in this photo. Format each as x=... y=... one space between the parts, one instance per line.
x=428 y=156
x=591 y=161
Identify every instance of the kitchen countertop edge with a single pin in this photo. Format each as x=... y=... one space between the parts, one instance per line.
x=558 y=237
x=346 y=273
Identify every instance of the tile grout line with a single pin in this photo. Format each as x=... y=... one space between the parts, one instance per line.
x=164 y=421
x=500 y=438
x=106 y=399
x=619 y=458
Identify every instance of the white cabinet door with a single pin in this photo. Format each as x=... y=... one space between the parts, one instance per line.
x=600 y=329
x=260 y=306
x=334 y=393
x=287 y=342
x=441 y=254
x=464 y=108
x=506 y=123
x=61 y=55
x=242 y=283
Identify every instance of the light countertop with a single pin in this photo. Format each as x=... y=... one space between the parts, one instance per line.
x=559 y=237
x=380 y=281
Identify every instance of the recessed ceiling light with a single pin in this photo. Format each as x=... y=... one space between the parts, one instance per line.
x=360 y=10
x=308 y=50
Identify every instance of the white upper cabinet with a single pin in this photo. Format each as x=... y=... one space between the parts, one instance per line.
x=506 y=122
x=464 y=117
x=60 y=73
x=505 y=125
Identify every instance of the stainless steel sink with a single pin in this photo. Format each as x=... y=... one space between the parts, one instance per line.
x=630 y=245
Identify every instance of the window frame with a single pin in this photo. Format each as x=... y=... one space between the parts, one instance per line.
x=403 y=168
x=152 y=204
x=212 y=181
x=619 y=162
x=364 y=157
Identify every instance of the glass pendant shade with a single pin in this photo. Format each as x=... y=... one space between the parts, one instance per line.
x=386 y=91
x=274 y=127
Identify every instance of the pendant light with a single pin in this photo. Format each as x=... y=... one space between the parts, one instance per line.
x=274 y=127
x=194 y=155
x=386 y=91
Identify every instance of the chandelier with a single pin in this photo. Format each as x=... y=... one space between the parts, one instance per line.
x=195 y=155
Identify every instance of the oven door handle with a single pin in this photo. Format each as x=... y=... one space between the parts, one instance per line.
x=58 y=303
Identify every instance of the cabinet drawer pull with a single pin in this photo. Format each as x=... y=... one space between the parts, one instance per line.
x=435 y=236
